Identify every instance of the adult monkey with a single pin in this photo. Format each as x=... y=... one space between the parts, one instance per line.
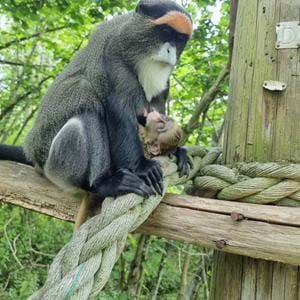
x=160 y=136
x=86 y=133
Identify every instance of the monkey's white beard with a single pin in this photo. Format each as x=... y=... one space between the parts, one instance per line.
x=153 y=76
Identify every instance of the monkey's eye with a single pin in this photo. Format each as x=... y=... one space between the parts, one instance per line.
x=161 y=127
x=182 y=37
x=166 y=33
x=167 y=30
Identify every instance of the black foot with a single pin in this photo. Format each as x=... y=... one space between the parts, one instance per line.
x=150 y=171
x=123 y=182
x=183 y=161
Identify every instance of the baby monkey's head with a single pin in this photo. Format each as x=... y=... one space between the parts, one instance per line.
x=161 y=135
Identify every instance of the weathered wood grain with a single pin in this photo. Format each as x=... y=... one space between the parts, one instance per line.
x=21 y=185
x=230 y=281
x=265 y=213
x=261 y=126
x=251 y=238
x=267 y=232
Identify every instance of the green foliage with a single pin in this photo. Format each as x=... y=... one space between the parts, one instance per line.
x=28 y=244
x=37 y=40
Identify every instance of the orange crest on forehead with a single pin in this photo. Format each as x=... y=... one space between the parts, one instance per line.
x=178 y=21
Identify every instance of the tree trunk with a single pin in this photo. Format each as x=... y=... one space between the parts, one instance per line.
x=136 y=267
x=261 y=126
x=160 y=273
x=184 y=274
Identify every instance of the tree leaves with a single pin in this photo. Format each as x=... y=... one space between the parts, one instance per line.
x=37 y=39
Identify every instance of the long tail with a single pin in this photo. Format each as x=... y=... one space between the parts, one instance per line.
x=14 y=153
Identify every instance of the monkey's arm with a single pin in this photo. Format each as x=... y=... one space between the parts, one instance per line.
x=125 y=146
x=142 y=120
x=183 y=161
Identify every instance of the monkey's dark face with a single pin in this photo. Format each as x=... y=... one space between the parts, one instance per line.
x=174 y=39
x=158 y=30
x=172 y=28
x=152 y=40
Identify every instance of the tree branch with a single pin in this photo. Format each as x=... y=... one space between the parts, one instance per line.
x=29 y=117
x=11 y=106
x=211 y=94
x=184 y=274
x=34 y=35
x=22 y=64
x=204 y=102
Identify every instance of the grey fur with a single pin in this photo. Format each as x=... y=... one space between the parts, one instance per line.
x=103 y=71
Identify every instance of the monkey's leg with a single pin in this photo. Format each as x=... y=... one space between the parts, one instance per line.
x=79 y=158
x=89 y=204
x=69 y=156
x=83 y=212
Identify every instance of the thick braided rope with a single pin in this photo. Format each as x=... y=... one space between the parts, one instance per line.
x=260 y=183
x=82 y=267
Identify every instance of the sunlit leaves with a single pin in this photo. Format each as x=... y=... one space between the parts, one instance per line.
x=37 y=39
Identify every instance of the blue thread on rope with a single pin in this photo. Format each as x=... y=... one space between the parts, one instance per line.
x=75 y=281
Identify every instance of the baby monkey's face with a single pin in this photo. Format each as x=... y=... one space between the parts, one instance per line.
x=162 y=134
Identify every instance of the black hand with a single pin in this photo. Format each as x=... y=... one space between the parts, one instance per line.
x=183 y=161
x=150 y=171
x=142 y=120
x=122 y=182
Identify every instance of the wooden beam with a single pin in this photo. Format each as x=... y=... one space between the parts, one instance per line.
x=267 y=232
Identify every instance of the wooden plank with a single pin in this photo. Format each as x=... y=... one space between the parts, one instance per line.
x=262 y=103
x=267 y=121
x=189 y=219
x=21 y=185
x=246 y=278
x=263 y=126
x=250 y=238
x=264 y=280
x=278 y=281
x=286 y=142
x=264 y=213
x=249 y=279
x=291 y=283
x=298 y=283
x=227 y=272
x=241 y=74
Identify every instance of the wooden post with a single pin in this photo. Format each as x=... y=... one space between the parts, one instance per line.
x=261 y=126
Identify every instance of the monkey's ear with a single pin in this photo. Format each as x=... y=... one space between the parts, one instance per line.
x=154 y=148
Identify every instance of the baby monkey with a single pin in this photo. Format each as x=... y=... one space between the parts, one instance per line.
x=159 y=134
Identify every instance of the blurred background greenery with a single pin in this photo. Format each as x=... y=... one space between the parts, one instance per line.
x=37 y=39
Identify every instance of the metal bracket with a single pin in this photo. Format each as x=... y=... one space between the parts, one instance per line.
x=274 y=86
x=288 y=35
